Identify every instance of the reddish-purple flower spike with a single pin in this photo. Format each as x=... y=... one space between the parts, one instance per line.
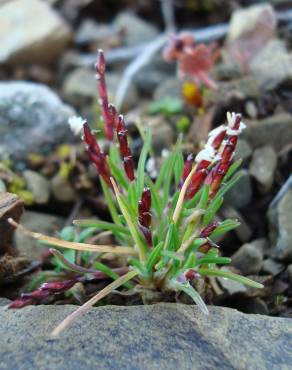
x=226 y=156
x=147 y=234
x=129 y=167
x=123 y=141
x=21 y=302
x=96 y=155
x=90 y=139
x=45 y=290
x=187 y=169
x=146 y=198
x=191 y=275
x=205 y=233
x=145 y=215
x=125 y=151
x=106 y=110
x=58 y=286
x=114 y=114
x=218 y=139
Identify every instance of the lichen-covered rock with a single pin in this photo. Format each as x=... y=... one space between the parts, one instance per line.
x=32 y=119
x=161 y=336
x=31 y=31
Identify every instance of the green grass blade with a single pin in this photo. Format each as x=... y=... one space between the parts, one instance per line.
x=102 y=225
x=212 y=210
x=139 y=266
x=216 y=260
x=132 y=196
x=224 y=227
x=204 y=197
x=190 y=291
x=154 y=256
x=118 y=174
x=178 y=167
x=232 y=169
x=172 y=238
x=228 y=185
x=110 y=273
x=110 y=202
x=230 y=275
x=155 y=197
x=142 y=248
x=173 y=255
x=85 y=234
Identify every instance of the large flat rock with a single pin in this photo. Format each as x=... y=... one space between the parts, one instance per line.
x=162 y=336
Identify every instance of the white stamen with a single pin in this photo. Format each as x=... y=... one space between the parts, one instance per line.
x=76 y=124
x=242 y=126
x=231 y=117
x=206 y=154
x=214 y=133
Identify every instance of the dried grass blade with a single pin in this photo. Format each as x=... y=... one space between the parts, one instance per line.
x=73 y=245
x=84 y=308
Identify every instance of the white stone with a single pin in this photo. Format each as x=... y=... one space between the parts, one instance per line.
x=31 y=31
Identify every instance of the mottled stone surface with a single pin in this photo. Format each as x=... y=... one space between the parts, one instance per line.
x=163 y=336
x=33 y=119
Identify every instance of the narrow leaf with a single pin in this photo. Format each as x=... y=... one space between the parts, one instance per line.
x=110 y=203
x=101 y=225
x=154 y=256
x=230 y=275
x=212 y=210
x=190 y=291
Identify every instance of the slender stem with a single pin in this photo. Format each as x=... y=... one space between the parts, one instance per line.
x=130 y=223
x=181 y=197
x=84 y=308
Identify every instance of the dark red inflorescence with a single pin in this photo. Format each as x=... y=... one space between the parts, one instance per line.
x=145 y=215
x=96 y=155
x=108 y=113
x=125 y=151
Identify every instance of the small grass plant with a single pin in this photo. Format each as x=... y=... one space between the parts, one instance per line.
x=166 y=228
